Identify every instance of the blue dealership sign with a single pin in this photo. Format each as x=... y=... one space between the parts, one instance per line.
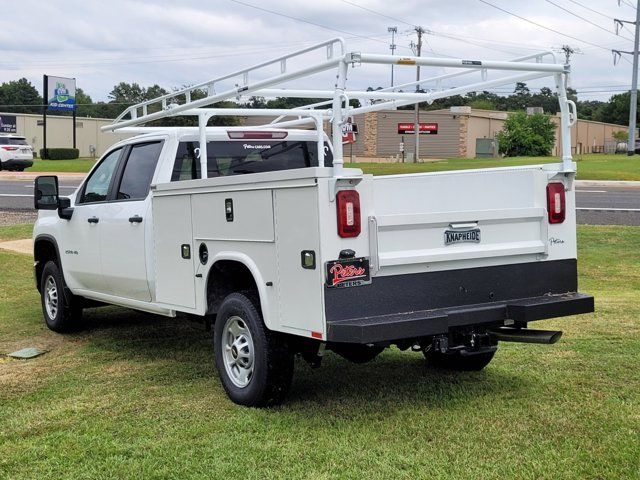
x=61 y=93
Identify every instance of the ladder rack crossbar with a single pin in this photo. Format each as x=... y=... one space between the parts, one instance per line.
x=165 y=101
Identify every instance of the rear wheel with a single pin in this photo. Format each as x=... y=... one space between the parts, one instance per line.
x=464 y=362
x=62 y=313
x=255 y=365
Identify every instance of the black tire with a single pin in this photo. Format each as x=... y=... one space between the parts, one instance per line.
x=356 y=353
x=272 y=360
x=459 y=362
x=64 y=314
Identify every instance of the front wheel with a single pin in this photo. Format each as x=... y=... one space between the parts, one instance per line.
x=459 y=361
x=255 y=365
x=62 y=313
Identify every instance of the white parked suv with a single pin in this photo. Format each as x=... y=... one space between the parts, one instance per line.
x=264 y=234
x=15 y=152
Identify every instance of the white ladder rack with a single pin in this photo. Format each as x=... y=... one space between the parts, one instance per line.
x=183 y=102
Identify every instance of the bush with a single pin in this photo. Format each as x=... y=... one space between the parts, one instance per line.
x=59 y=153
x=527 y=135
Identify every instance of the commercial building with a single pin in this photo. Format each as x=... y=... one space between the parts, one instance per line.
x=90 y=141
x=457 y=132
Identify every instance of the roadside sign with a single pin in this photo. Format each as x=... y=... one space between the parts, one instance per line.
x=349 y=131
x=425 y=128
x=60 y=93
x=8 y=124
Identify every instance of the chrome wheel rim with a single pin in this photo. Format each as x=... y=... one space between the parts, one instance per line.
x=51 y=297
x=237 y=351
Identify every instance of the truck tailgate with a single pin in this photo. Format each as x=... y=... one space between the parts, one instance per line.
x=445 y=219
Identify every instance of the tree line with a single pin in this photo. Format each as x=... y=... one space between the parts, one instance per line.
x=20 y=96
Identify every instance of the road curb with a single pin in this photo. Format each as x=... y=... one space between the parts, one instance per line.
x=5 y=175
x=607 y=183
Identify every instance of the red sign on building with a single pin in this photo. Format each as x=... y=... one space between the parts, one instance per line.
x=425 y=128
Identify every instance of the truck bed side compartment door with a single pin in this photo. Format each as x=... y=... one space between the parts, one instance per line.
x=173 y=251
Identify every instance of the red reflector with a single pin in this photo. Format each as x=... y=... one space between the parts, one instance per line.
x=348 y=206
x=317 y=335
x=253 y=135
x=11 y=149
x=556 y=202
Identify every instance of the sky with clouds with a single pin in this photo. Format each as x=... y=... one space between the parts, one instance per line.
x=183 y=42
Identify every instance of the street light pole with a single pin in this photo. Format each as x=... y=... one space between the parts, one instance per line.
x=392 y=47
x=416 y=123
x=631 y=146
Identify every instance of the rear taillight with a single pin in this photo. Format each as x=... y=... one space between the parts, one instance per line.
x=556 y=202
x=11 y=149
x=348 y=205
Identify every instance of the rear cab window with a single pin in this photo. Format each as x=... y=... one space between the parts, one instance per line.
x=225 y=158
x=13 y=141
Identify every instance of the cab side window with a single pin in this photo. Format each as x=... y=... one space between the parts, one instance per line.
x=97 y=187
x=138 y=171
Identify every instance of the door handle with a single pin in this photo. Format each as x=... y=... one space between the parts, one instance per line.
x=93 y=219
x=135 y=219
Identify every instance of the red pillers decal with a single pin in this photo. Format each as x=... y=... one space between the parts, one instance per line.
x=348 y=272
x=342 y=273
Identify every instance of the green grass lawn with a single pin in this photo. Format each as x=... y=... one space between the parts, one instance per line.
x=590 y=167
x=137 y=396
x=78 y=165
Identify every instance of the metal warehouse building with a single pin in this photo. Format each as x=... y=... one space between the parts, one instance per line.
x=460 y=132
x=456 y=132
x=59 y=132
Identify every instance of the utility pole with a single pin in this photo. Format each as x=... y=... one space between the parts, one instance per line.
x=416 y=123
x=633 y=106
x=392 y=47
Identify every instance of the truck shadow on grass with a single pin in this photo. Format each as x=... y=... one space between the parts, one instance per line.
x=180 y=352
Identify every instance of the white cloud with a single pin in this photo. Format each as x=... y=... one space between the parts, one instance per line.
x=173 y=43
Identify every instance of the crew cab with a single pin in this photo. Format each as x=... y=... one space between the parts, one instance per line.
x=264 y=234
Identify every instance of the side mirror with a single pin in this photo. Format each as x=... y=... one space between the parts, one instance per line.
x=45 y=194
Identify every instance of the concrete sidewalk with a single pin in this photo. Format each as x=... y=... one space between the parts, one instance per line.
x=19 y=246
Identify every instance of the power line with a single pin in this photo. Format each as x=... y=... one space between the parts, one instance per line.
x=273 y=12
x=627 y=3
x=395 y=19
x=586 y=20
x=430 y=32
x=592 y=10
x=542 y=26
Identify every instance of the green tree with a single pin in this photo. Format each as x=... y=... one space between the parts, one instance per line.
x=616 y=110
x=20 y=96
x=620 y=135
x=527 y=135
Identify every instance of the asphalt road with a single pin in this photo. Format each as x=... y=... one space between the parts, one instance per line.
x=610 y=205
x=18 y=194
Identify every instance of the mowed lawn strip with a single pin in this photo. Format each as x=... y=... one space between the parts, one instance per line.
x=136 y=396
x=16 y=232
x=590 y=167
x=79 y=165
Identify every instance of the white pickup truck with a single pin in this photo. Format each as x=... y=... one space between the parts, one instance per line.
x=263 y=233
